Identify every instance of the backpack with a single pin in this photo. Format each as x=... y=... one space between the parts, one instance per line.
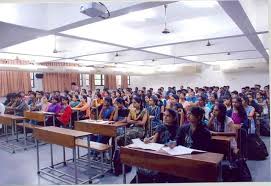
x=236 y=171
x=256 y=149
x=117 y=165
x=264 y=128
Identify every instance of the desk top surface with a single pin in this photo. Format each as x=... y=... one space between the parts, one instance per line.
x=224 y=138
x=41 y=112
x=208 y=157
x=64 y=131
x=101 y=122
x=13 y=117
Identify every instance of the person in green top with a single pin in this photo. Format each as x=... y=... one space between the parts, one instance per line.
x=75 y=101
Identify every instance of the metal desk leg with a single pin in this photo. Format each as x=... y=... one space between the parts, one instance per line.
x=89 y=166
x=38 y=157
x=64 y=156
x=124 y=135
x=16 y=131
x=220 y=178
x=78 y=152
x=6 y=132
x=54 y=122
x=52 y=158
x=77 y=115
x=97 y=114
x=136 y=175
x=13 y=131
x=123 y=173
x=75 y=165
x=24 y=136
x=102 y=161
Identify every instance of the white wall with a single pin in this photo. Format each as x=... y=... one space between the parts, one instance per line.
x=208 y=77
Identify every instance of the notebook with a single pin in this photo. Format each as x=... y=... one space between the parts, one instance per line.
x=181 y=150
x=137 y=143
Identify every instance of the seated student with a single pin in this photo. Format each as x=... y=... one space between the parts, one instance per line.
x=221 y=124
x=250 y=111
x=19 y=106
x=64 y=115
x=164 y=133
x=146 y=101
x=45 y=103
x=183 y=101
x=33 y=102
x=238 y=113
x=107 y=111
x=83 y=108
x=191 y=97
x=54 y=107
x=161 y=103
x=137 y=119
x=173 y=102
x=120 y=111
x=154 y=110
x=253 y=103
x=227 y=102
x=75 y=101
x=96 y=105
x=10 y=103
x=212 y=100
x=202 y=104
x=194 y=135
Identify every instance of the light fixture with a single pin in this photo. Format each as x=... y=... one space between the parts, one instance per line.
x=117 y=54
x=166 y=30
x=208 y=43
x=228 y=53
x=153 y=60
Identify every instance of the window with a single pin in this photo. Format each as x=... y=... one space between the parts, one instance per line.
x=81 y=80
x=129 y=80
x=87 y=80
x=99 y=80
x=118 y=79
x=32 y=79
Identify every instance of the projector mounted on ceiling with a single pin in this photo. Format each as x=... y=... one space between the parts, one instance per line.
x=95 y=10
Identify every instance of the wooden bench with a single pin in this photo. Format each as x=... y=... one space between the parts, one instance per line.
x=27 y=125
x=100 y=147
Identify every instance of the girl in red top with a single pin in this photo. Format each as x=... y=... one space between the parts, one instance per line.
x=65 y=114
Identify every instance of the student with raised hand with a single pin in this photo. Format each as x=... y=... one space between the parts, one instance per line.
x=194 y=135
x=75 y=101
x=250 y=111
x=137 y=119
x=154 y=110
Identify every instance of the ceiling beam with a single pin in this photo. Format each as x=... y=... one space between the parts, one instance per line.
x=236 y=12
x=113 y=14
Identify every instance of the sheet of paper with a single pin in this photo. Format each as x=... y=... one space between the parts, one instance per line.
x=180 y=150
x=137 y=143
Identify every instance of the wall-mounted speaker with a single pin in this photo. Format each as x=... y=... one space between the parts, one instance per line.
x=39 y=76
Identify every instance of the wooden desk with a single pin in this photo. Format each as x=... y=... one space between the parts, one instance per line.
x=106 y=129
x=63 y=137
x=222 y=144
x=201 y=167
x=39 y=116
x=10 y=120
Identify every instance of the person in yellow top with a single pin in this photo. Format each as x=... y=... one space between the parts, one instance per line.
x=96 y=106
x=83 y=107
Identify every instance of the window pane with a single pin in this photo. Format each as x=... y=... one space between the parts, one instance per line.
x=97 y=82
x=87 y=82
x=97 y=76
x=103 y=82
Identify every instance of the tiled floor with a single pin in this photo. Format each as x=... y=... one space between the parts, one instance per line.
x=20 y=168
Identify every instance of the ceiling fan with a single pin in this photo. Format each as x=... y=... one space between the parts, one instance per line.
x=55 y=51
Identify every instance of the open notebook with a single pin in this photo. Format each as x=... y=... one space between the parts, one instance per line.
x=181 y=150
x=137 y=143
